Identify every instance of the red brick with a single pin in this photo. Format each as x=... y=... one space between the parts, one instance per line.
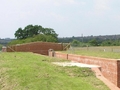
x=110 y=68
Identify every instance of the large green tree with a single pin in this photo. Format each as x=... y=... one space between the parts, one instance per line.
x=75 y=43
x=93 y=42
x=32 y=30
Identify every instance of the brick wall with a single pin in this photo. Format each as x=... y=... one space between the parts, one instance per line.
x=61 y=55
x=110 y=68
x=118 y=73
x=36 y=47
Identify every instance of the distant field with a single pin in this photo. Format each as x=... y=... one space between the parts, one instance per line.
x=28 y=71
x=105 y=52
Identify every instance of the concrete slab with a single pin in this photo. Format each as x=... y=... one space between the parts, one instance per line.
x=75 y=64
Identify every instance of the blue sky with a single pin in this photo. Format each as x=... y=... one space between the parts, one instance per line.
x=67 y=17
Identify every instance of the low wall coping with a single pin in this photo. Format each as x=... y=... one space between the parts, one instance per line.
x=84 y=56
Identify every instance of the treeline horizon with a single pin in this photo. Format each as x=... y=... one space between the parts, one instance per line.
x=101 y=40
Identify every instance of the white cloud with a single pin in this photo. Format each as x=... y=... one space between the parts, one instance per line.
x=83 y=3
x=58 y=17
x=116 y=17
x=71 y=1
x=101 y=6
x=64 y=2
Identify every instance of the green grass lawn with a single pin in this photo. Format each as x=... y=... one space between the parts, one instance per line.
x=28 y=71
x=110 y=52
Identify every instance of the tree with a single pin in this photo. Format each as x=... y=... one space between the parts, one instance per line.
x=19 y=33
x=75 y=43
x=93 y=42
x=50 y=31
x=30 y=31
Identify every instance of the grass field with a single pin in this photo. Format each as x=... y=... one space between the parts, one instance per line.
x=28 y=71
x=105 y=52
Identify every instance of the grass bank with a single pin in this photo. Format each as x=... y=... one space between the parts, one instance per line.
x=28 y=71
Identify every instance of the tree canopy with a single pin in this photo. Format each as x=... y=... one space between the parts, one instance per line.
x=32 y=33
x=32 y=30
x=93 y=42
